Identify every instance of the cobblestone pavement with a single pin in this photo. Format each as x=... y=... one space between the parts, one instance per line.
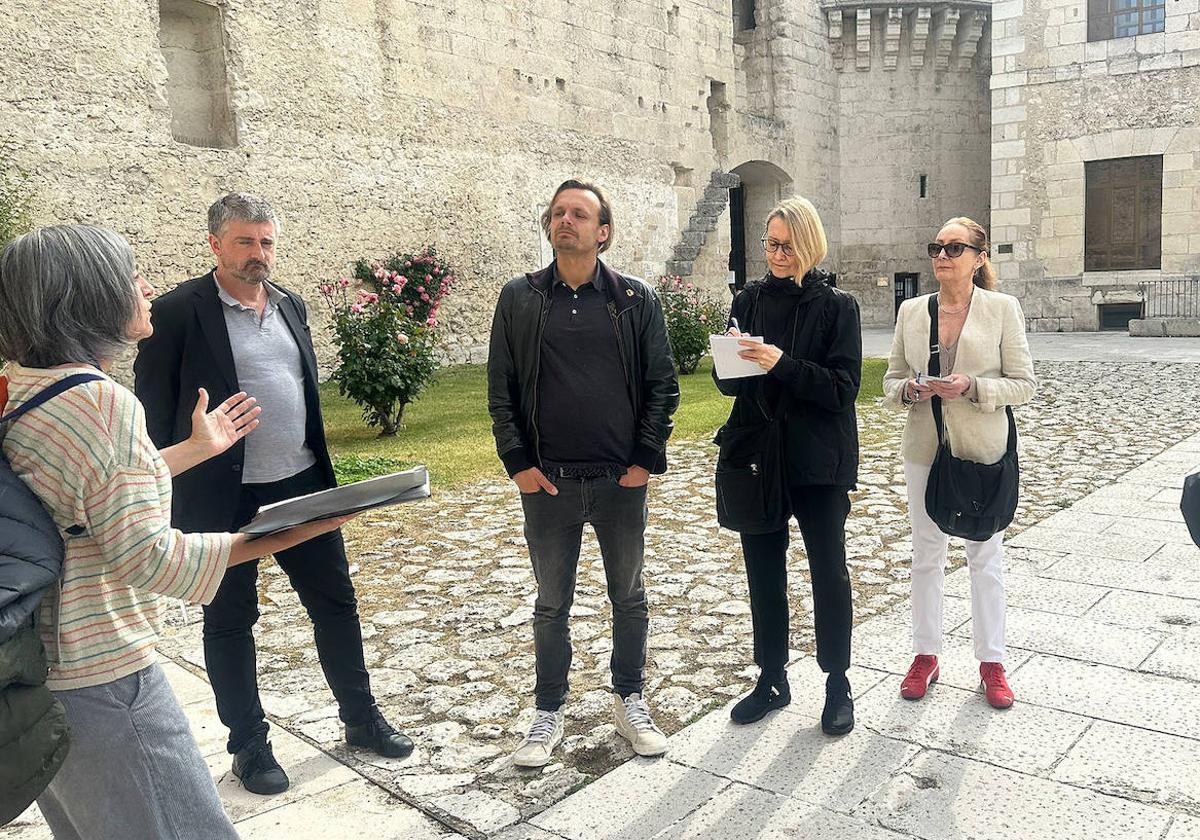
x=446 y=599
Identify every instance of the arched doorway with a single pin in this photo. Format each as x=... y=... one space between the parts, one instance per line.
x=762 y=185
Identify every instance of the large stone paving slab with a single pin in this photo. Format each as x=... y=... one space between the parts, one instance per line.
x=633 y=802
x=1147 y=701
x=741 y=811
x=1166 y=572
x=355 y=809
x=1135 y=764
x=788 y=754
x=1140 y=609
x=942 y=797
x=1076 y=638
x=1032 y=592
x=1026 y=738
x=1178 y=656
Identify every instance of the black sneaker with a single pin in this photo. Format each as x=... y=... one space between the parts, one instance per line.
x=838 y=716
x=379 y=736
x=771 y=693
x=256 y=766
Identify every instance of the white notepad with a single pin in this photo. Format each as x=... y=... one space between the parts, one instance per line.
x=728 y=363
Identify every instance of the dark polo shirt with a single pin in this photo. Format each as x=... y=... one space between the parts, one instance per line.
x=585 y=416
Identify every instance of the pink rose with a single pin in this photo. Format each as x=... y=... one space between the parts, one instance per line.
x=356 y=308
x=401 y=338
x=431 y=322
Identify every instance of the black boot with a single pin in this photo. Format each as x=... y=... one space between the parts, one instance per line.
x=838 y=716
x=771 y=693
x=256 y=766
x=379 y=736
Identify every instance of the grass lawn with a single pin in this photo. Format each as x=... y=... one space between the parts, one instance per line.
x=449 y=430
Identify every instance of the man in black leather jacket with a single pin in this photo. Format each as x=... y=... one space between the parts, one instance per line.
x=581 y=389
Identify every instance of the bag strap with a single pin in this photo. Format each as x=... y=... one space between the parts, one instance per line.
x=935 y=369
x=48 y=393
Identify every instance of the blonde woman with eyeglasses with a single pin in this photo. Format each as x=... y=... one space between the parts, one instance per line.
x=811 y=357
x=985 y=366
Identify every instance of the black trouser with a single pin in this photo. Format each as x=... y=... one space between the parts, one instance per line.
x=553 y=530
x=821 y=512
x=319 y=573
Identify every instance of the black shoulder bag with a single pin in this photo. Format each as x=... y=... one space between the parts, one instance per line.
x=752 y=496
x=967 y=499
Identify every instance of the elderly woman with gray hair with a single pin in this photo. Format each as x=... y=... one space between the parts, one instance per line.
x=70 y=301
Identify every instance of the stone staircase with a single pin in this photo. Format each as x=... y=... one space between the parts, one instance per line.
x=702 y=222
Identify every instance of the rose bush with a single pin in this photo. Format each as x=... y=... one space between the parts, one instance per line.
x=384 y=323
x=692 y=315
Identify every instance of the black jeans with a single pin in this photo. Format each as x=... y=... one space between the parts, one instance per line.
x=553 y=530
x=320 y=575
x=821 y=512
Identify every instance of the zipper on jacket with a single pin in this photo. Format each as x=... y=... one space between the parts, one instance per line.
x=547 y=302
x=616 y=322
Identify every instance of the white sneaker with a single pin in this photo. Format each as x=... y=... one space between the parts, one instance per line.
x=634 y=724
x=544 y=734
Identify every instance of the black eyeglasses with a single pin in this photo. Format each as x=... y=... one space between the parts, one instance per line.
x=952 y=249
x=772 y=246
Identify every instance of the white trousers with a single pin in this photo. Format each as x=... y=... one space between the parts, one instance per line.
x=985 y=561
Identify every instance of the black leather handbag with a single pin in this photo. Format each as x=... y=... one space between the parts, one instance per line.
x=1189 y=505
x=965 y=498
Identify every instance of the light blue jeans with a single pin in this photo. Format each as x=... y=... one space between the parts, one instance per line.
x=134 y=771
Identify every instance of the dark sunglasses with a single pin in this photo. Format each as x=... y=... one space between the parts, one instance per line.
x=952 y=249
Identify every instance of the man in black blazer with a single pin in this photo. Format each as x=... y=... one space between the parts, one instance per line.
x=233 y=330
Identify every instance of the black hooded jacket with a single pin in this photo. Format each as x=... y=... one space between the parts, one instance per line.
x=816 y=381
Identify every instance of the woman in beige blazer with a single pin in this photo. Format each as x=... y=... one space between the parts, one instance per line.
x=985 y=356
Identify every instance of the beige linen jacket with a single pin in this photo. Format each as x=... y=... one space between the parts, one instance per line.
x=992 y=350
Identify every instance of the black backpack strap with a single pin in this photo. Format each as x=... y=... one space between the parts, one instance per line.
x=935 y=366
x=49 y=393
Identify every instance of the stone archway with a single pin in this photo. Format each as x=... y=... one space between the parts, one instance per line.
x=762 y=185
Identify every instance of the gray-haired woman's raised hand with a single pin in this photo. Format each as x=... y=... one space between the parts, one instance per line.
x=213 y=431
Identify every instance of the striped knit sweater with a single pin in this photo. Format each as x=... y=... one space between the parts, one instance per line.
x=87 y=456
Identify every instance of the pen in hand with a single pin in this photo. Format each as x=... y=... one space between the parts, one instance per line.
x=733 y=327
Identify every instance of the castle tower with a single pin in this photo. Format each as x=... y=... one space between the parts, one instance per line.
x=914 y=139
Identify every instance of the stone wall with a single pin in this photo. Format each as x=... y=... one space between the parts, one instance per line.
x=390 y=125
x=1059 y=101
x=913 y=102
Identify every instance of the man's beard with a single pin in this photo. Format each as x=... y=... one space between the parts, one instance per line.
x=243 y=274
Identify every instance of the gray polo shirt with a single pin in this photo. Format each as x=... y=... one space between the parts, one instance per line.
x=267 y=361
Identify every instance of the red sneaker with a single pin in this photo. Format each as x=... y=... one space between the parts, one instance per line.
x=999 y=695
x=923 y=671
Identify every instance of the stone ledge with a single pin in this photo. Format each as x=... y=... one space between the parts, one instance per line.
x=1161 y=327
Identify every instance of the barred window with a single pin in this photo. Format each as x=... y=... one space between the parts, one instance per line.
x=1109 y=19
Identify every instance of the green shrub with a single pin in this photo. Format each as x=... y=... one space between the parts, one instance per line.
x=350 y=468
x=385 y=329
x=692 y=316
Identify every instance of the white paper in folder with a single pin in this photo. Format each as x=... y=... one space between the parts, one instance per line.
x=726 y=360
x=408 y=486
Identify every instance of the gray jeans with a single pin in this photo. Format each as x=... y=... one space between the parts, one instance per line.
x=553 y=530
x=134 y=771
